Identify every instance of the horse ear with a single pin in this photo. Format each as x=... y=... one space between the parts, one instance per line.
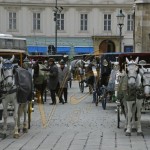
x=12 y=59
x=127 y=60
x=137 y=59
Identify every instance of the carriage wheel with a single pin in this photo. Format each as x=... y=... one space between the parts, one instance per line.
x=45 y=95
x=81 y=86
x=95 y=97
x=104 y=103
x=29 y=114
x=70 y=83
x=118 y=116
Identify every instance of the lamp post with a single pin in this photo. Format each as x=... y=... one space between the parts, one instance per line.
x=56 y=11
x=120 y=23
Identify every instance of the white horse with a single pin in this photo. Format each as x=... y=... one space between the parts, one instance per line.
x=145 y=73
x=134 y=103
x=9 y=90
x=76 y=67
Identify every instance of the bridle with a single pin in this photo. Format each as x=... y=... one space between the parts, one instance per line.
x=134 y=77
x=3 y=85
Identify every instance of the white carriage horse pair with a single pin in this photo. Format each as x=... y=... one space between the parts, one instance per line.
x=8 y=88
x=135 y=82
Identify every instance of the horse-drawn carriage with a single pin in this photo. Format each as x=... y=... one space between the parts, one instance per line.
x=14 y=80
x=40 y=77
x=105 y=84
x=134 y=89
x=82 y=70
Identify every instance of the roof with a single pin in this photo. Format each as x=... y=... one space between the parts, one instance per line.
x=46 y=57
x=142 y=56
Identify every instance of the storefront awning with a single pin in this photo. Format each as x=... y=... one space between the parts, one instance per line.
x=63 y=50
x=83 y=50
x=37 y=49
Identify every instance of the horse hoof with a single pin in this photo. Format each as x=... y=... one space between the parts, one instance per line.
x=125 y=129
x=16 y=136
x=25 y=130
x=134 y=130
x=139 y=133
x=128 y=134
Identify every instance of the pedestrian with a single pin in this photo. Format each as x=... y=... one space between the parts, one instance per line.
x=64 y=76
x=53 y=83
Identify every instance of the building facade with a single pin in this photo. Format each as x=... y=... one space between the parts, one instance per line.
x=142 y=26
x=82 y=26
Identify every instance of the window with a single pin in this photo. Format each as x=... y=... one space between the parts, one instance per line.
x=107 y=22
x=12 y=21
x=84 y=20
x=60 y=21
x=36 y=21
x=130 y=22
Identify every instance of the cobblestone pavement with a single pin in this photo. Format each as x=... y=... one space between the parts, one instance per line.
x=77 y=125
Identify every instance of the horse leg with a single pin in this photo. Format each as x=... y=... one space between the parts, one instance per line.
x=129 y=117
x=139 y=107
x=19 y=116
x=5 y=105
x=134 y=111
x=16 y=106
x=124 y=107
x=25 y=126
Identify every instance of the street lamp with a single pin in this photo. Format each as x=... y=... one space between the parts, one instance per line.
x=56 y=11
x=120 y=23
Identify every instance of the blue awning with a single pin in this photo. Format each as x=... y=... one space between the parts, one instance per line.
x=37 y=49
x=83 y=50
x=63 y=50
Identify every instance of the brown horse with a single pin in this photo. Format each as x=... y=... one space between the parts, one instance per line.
x=40 y=81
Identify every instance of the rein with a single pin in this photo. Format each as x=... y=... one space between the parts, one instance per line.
x=3 y=87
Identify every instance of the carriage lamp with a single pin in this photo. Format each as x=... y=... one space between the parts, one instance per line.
x=120 y=23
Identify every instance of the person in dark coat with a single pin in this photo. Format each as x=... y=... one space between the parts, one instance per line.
x=53 y=79
x=63 y=76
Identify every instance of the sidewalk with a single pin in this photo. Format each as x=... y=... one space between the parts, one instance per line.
x=77 y=125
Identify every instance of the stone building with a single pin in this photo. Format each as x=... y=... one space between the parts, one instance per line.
x=82 y=26
x=142 y=26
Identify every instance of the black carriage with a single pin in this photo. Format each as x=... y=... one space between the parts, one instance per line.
x=144 y=60
x=101 y=93
x=41 y=60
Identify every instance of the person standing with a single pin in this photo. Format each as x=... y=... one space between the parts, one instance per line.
x=53 y=79
x=63 y=76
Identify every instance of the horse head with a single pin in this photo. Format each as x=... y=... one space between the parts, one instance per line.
x=7 y=71
x=132 y=69
x=145 y=73
x=81 y=63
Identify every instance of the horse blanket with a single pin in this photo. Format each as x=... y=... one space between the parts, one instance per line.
x=23 y=81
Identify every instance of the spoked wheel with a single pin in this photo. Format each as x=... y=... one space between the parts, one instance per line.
x=81 y=86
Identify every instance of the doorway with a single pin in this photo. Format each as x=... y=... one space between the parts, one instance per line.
x=107 y=46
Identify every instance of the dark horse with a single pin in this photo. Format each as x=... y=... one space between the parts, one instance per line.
x=40 y=81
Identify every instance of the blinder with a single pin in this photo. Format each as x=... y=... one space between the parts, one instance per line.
x=134 y=77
